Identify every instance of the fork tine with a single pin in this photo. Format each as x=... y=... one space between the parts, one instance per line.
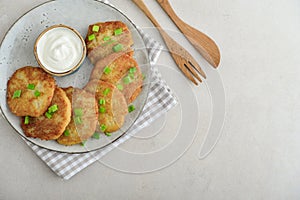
x=198 y=68
x=192 y=70
x=181 y=65
x=189 y=76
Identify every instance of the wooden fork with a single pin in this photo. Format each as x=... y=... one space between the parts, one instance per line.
x=184 y=60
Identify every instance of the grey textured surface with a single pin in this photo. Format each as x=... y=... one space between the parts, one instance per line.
x=257 y=156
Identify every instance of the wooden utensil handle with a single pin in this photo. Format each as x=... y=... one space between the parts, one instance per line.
x=143 y=7
x=169 y=10
x=167 y=38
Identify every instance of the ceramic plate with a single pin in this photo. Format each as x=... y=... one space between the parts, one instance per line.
x=16 y=51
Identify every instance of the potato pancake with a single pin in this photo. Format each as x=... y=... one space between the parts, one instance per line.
x=105 y=38
x=84 y=117
x=29 y=91
x=112 y=105
x=53 y=122
x=121 y=70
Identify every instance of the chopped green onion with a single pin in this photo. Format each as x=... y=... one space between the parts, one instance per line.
x=67 y=133
x=78 y=120
x=127 y=79
x=103 y=127
x=96 y=136
x=92 y=37
x=107 y=70
x=26 y=120
x=108 y=42
x=131 y=108
x=78 y=112
x=118 y=31
x=108 y=134
x=132 y=70
x=106 y=91
x=48 y=115
x=117 y=48
x=30 y=86
x=37 y=93
x=106 y=38
x=120 y=87
x=102 y=101
x=53 y=109
x=83 y=143
x=144 y=76
x=96 y=28
x=131 y=76
x=17 y=94
x=102 y=109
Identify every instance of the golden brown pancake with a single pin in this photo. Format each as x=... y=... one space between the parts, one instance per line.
x=81 y=127
x=32 y=102
x=105 y=39
x=112 y=105
x=50 y=129
x=121 y=70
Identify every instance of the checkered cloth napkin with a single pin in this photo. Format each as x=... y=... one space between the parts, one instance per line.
x=160 y=100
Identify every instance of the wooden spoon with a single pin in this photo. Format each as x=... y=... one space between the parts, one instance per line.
x=204 y=44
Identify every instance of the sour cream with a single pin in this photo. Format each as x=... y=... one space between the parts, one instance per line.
x=60 y=49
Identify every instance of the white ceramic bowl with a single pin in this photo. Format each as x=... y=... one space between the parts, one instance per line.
x=60 y=50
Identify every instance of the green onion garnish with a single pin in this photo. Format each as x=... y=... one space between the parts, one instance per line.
x=106 y=38
x=17 y=94
x=30 y=86
x=96 y=136
x=107 y=70
x=108 y=134
x=131 y=108
x=117 y=48
x=120 y=87
x=102 y=101
x=132 y=70
x=53 y=108
x=108 y=42
x=127 y=80
x=144 y=76
x=106 y=91
x=78 y=120
x=131 y=76
x=78 y=112
x=102 y=109
x=103 y=127
x=48 y=115
x=66 y=133
x=118 y=31
x=83 y=143
x=96 y=28
x=26 y=120
x=37 y=93
x=92 y=37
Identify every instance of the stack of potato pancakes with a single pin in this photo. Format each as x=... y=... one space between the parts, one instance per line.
x=73 y=115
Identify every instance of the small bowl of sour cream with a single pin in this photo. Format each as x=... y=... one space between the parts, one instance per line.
x=60 y=50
